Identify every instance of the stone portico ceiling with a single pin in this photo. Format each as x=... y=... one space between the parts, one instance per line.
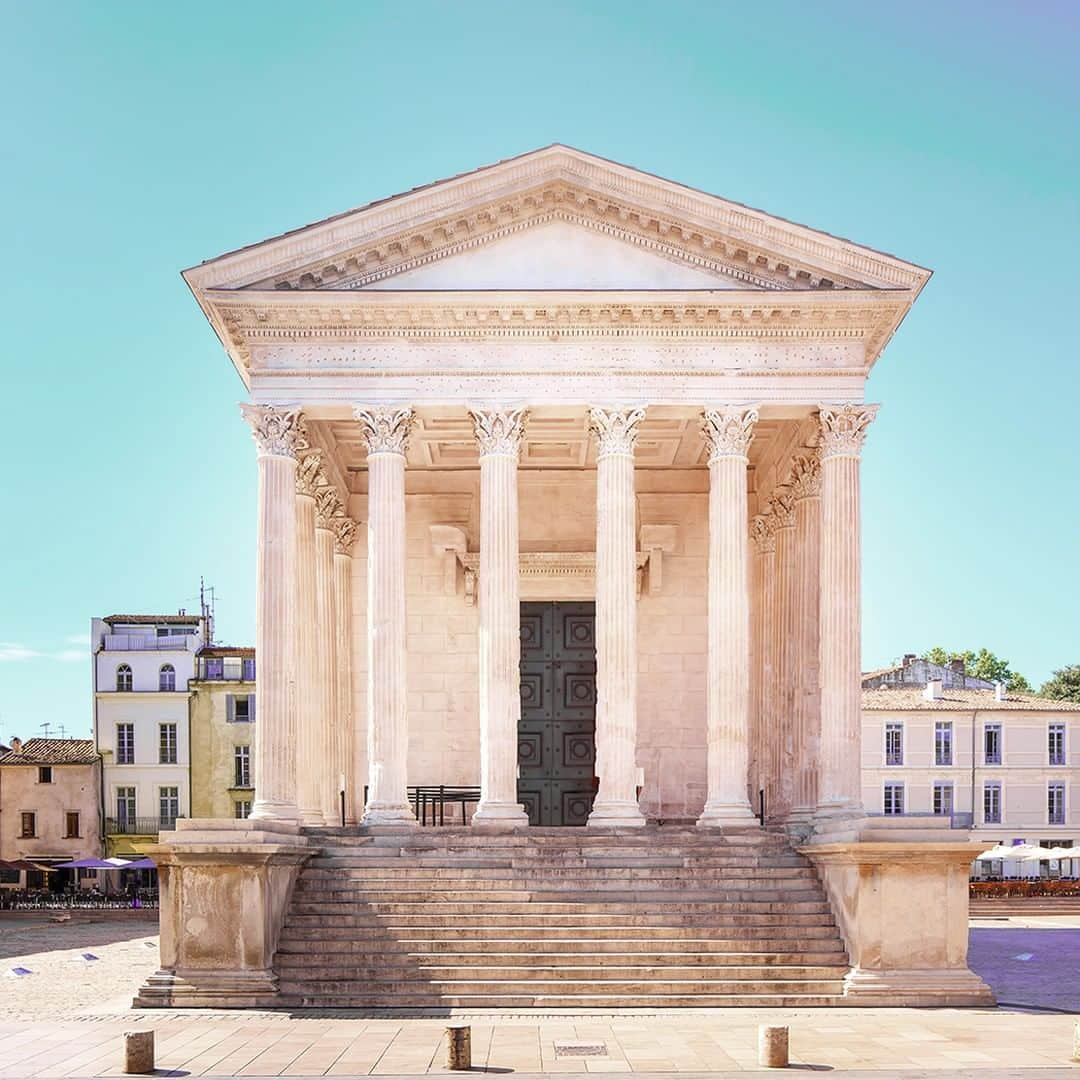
x=554 y=263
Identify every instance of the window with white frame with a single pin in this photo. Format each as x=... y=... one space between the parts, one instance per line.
x=123 y=677
x=167 y=677
x=943 y=742
x=168 y=804
x=894 y=799
x=1056 y=741
x=242 y=766
x=125 y=744
x=166 y=744
x=992 y=802
x=1055 y=803
x=125 y=804
x=943 y=797
x=992 y=744
x=242 y=808
x=894 y=744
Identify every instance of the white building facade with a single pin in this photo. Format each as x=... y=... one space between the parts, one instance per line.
x=142 y=665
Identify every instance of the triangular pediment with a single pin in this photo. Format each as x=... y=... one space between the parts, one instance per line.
x=556 y=218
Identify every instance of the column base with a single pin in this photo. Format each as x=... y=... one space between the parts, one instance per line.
x=396 y=814
x=310 y=819
x=615 y=814
x=209 y=990
x=504 y=815
x=908 y=987
x=274 y=811
x=726 y=815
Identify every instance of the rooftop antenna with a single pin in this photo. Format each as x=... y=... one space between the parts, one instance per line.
x=63 y=731
x=206 y=606
x=45 y=727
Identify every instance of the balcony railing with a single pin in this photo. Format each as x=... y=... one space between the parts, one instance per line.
x=139 y=826
x=147 y=642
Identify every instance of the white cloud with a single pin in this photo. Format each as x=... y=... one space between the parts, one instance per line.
x=70 y=656
x=11 y=652
x=79 y=639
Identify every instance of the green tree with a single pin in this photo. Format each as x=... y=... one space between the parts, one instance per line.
x=1064 y=684
x=981 y=665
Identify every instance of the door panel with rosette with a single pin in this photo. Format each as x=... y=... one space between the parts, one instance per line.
x=556 y=738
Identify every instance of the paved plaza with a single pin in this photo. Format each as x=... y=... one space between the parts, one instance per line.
x=67 y=1017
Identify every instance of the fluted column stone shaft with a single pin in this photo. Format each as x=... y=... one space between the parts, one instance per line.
x=728 y=433
x=806 y=486
x=843 y=429
x=616 y=803
x=330 y=765
x=308 y=741
x=499 y=433
x=763 y=530
x=785 y=638
x=386 y=432
x=278 y=434
x=344 y=536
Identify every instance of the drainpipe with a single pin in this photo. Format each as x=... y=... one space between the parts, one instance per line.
x=97 y=747
x=974 y=718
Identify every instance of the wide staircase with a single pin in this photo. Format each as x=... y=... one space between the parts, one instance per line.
x=453 y=917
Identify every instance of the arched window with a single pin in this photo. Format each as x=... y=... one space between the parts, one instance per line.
x=167 y=677
x=123 y=677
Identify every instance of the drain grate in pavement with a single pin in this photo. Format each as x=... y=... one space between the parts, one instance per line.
x=582 y=1049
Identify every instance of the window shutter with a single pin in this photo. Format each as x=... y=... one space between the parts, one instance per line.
x=230 y=708
x=251 y=708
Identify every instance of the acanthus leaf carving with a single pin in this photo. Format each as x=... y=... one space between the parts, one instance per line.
x=499 y=431
x=615 y=429
x=843 y=429
x=346 y=531
x=308 y=472
x=763 y=532
x=277 y=432
x=386 y=429
x=781 y=507
x=805 y=479
x=729 y=430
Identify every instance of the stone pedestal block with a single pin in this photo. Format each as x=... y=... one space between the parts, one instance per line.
x=224 y=891
x=901 y=901
x=138 y=1052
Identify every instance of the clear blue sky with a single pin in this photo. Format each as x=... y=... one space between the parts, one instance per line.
x=141 y=138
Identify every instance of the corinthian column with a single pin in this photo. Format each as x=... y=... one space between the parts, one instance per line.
x=763 y=531
x=805 y=486
x=344 y=538
x=308 y=746
x=386 y=432
x=782 y=506
x=616 y=619
x=728 y=432
x=499 y=434
x=842 y=432
x=327 y=508
x=278 y=434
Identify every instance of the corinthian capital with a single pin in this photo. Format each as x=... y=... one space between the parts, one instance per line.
x=309 y=473
x=728 y=430
x=386 y=430
x=781 y=507
x=805 y=479
x=327 y=504
x=615 y=430
x=345 y=533
x=499 y=431
x=277 y=432
x=763 y=532
x=843 y=429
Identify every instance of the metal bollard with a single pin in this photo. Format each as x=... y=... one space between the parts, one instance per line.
x=459 y=1048
x=773 y=1046
x=138 y=1051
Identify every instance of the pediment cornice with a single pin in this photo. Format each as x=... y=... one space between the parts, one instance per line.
x=556 y=183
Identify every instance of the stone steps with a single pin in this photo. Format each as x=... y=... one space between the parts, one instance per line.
x=558 y=918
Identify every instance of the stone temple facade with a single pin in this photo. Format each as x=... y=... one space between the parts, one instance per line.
x=558 y=469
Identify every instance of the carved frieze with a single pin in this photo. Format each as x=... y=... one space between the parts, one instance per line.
x=277 y=432
x=843 y=429
x=499 y=431
x=728 y=430
x=385 y=429
x=615 y=430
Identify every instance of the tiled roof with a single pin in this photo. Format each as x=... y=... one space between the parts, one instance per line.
x=151 y=619
x=52 y=752
x=227 y=650
x=911 y=700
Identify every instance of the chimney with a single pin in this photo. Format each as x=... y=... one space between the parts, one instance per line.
x=16 y=745
x=909 y=659
x=999 y=691
x=957 y=666
x=933 y=690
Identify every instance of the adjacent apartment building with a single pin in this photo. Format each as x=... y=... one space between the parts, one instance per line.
x=143 y=665
x=222 y=732
x=50 y=810
x=1005 y=764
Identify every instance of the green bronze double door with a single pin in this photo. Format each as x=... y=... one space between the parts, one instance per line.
x=557 y=732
